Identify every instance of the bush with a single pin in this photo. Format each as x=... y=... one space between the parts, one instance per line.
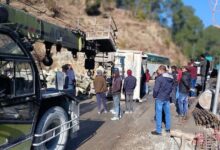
x=167 y=42
x=141 y=15
x=52 y=6
x=92 y=7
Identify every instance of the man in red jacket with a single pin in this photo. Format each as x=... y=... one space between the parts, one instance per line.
x=193 y=77
x=147 y=77
x=128 y=88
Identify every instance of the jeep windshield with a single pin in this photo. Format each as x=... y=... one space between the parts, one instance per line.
x=8 y=46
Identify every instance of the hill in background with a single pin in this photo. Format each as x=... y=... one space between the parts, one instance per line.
x=132 y=33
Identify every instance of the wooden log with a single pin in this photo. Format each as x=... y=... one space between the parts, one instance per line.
x=180 y=134
x=192 y=106
x=205 y=99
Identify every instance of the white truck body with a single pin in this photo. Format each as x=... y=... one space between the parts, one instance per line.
x=135 y=61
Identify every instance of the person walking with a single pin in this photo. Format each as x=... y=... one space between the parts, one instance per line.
x=116 y=93
x=100 y=89
x=128 y=88
x=184 y=87
x=161 y=93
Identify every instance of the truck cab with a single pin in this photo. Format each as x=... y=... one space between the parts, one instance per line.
x=30 y=117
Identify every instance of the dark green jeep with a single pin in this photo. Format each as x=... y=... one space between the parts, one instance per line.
x=30 y=117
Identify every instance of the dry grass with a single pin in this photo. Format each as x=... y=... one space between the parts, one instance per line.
x=133 y=34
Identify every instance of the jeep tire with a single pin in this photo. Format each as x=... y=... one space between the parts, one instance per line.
x=53 y=117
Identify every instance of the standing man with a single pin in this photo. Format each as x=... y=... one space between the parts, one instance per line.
x=72 y=78
x=67 y=87
x=128 y=88
x=174 y=90
x=193 y=77
x=147 y=76
x=100 y=89
x=116 y=93
x=204 y=64
x=184 y=87
x=161 y=93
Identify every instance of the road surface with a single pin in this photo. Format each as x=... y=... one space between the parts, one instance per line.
x=98 y=132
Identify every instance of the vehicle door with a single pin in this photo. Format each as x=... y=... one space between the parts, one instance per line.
x=17 y=95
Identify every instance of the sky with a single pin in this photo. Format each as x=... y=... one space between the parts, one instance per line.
x=202 y=10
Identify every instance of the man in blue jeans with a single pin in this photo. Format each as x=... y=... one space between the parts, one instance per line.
x=161 y=93
x=116 y=93
x=193 y=77
x=184 y=88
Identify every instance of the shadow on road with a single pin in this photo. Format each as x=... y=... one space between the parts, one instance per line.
x=91 y=105
x=87 y=130
x=87 y=107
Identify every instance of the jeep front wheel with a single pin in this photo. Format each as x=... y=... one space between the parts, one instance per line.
x=52 y=118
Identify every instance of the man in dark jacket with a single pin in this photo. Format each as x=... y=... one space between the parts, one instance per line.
x=162 y=90
x=67 y=87
x=116 y=93
x=72 y=78
x=184 y=87
x=128 y=88
x=193 y=77
x=174 y=90
x=204 y=69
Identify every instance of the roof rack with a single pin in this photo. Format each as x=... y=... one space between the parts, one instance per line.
x=102 y=31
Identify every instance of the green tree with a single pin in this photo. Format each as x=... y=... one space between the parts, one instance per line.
x=119 y=3
x=209 y=42
x=142 y=9
x=92 y=7
x=186 y=29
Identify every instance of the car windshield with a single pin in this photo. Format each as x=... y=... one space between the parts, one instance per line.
x=8 y=46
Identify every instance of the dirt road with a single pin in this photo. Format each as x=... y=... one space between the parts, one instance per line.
x=132 y=132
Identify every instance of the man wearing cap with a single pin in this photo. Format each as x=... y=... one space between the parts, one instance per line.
x=67 y=87
x=100 y=89
x=128 y=88
x=116 y=93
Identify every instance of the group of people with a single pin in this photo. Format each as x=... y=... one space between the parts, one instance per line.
x=176 y=87
x=117 y=88
x=171 y=87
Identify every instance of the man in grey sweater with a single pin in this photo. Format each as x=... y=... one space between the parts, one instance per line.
x=128 y=89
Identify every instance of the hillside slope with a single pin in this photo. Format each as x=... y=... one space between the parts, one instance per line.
x=132 y=33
